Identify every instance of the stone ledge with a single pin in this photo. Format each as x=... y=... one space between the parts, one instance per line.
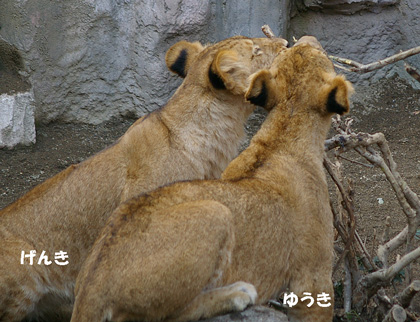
x=17 y=123
x=257 y=313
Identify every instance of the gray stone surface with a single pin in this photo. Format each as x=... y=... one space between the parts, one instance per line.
x=252 y=314
x=16 y=119
x=246 y=17
x=91 y=60
x=346 y=6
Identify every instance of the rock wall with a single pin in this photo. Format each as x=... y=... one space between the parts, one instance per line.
x=17 y=105
x=91 y=60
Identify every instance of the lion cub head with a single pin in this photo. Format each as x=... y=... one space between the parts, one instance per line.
x=223 y=68
x=304 y=76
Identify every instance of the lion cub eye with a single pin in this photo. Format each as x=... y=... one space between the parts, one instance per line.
x=256 y=50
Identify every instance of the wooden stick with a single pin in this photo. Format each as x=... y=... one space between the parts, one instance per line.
x=396 y=314
x=356 y=162
x=347 y=287
x=384 y=276
x=406 y=296
x=346 y=61
x=360 y=68
x=347 y=202
x=385 y=236
x=267 y=31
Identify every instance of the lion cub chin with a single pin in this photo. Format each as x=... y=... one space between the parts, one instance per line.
x=45 y=236
x=196 y=249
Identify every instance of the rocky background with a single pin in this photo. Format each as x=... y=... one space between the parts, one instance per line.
x=90 y=60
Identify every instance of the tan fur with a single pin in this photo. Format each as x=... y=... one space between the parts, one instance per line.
x=193 y=137
x=196 y=249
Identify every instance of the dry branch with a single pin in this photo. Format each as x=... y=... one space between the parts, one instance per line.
x=348 y=290
x=384 y=276
x=396 y=314
x=347 y=203
x=361 y=68
x=385 y=249
x=406 y=296
x=362 y=143
x=268 y=32
x=385 y=236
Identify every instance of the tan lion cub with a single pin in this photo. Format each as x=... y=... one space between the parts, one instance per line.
x=196 y=249
x=46 y=235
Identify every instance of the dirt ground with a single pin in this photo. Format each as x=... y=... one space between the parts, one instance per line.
x=394 y=110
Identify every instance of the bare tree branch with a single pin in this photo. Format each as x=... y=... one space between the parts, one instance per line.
x=268 y=32
x=346 y=61
x=396 y=314
x=362 y=142
x=349 y=141
x=356 y=162
x=385 y=249
x=347 y=287
x=406 y=296
x=385 y=236
x=360 y=68
x=347 y=202
x=375 y=149
x=384 y=276
x=366 y=258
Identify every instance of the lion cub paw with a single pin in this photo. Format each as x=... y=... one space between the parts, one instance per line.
x=243 y=295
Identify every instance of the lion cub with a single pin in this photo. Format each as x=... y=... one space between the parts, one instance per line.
x=196 y=249
x=45 y=235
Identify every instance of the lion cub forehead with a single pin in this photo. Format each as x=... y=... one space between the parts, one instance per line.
x=302 y=58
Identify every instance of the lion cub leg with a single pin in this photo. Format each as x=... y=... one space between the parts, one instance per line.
x=321 y=308
x=21 y=285
x=232 y=298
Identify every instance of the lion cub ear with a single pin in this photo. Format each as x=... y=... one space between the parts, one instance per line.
x=335 y=95
x=180 y=56
x=261 y=91
x=228 y=72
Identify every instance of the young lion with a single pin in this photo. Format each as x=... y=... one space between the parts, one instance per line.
x=196 y=249
x=193 y=137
